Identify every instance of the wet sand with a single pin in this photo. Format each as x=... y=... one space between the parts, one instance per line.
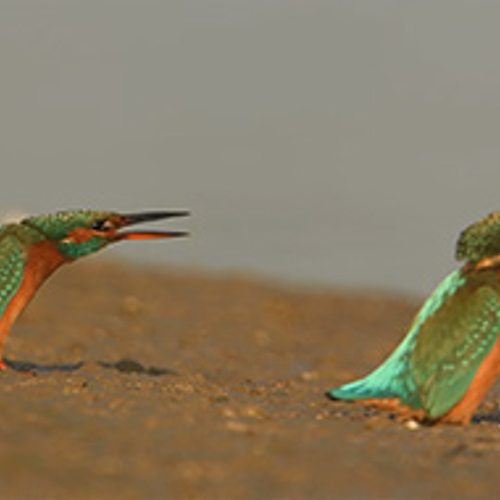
x=153 y=383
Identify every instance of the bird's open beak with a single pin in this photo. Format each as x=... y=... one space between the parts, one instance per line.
x=131 y=219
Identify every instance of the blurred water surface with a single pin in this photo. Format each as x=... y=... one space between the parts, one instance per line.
x=329 y=142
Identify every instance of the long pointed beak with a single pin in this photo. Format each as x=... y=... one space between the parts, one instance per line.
x=136 y=218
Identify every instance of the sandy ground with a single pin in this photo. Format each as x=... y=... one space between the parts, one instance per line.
x=159 y=384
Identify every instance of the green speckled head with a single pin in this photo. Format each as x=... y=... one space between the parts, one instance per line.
x=82 y=232
x=480 y=240
x=78 y=233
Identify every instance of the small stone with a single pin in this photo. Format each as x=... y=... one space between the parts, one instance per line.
x=412 y=425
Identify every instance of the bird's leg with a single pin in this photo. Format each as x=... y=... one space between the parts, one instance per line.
x=9 y=365
x=27 y=369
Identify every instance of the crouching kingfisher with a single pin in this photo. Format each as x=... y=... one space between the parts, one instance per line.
x=450 y=357
x=31 y=250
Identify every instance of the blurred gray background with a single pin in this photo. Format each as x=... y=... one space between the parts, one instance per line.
x=321 y=142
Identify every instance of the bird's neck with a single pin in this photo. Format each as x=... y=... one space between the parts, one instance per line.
x=42 y=260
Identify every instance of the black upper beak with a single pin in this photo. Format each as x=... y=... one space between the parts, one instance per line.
x=136 y=218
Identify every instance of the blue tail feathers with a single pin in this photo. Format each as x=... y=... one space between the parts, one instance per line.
x=359 y=389
x=394 y=378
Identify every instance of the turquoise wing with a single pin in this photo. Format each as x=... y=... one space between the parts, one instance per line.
x=12 y=262
x=452 y=344
x=393 y=378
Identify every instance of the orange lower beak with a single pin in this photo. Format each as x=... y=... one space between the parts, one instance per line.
x=149 y=235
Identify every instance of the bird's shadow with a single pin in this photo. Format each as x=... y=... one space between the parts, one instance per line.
x=123 y=366
x=131 y=366
x=32 y=368
x=492 y=417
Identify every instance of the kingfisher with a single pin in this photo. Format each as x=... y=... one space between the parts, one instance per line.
x=450 y=356
x=32 y=249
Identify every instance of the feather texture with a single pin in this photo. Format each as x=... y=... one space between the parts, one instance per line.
x=12 y=263
x=436 y=362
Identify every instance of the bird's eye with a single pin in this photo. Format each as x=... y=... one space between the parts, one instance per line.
x=102 y=225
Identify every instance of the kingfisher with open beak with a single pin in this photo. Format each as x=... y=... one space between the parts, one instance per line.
x=31 y=250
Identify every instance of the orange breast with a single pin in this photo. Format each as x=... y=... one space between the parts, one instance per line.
x=43 y=259
x=485 y=377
